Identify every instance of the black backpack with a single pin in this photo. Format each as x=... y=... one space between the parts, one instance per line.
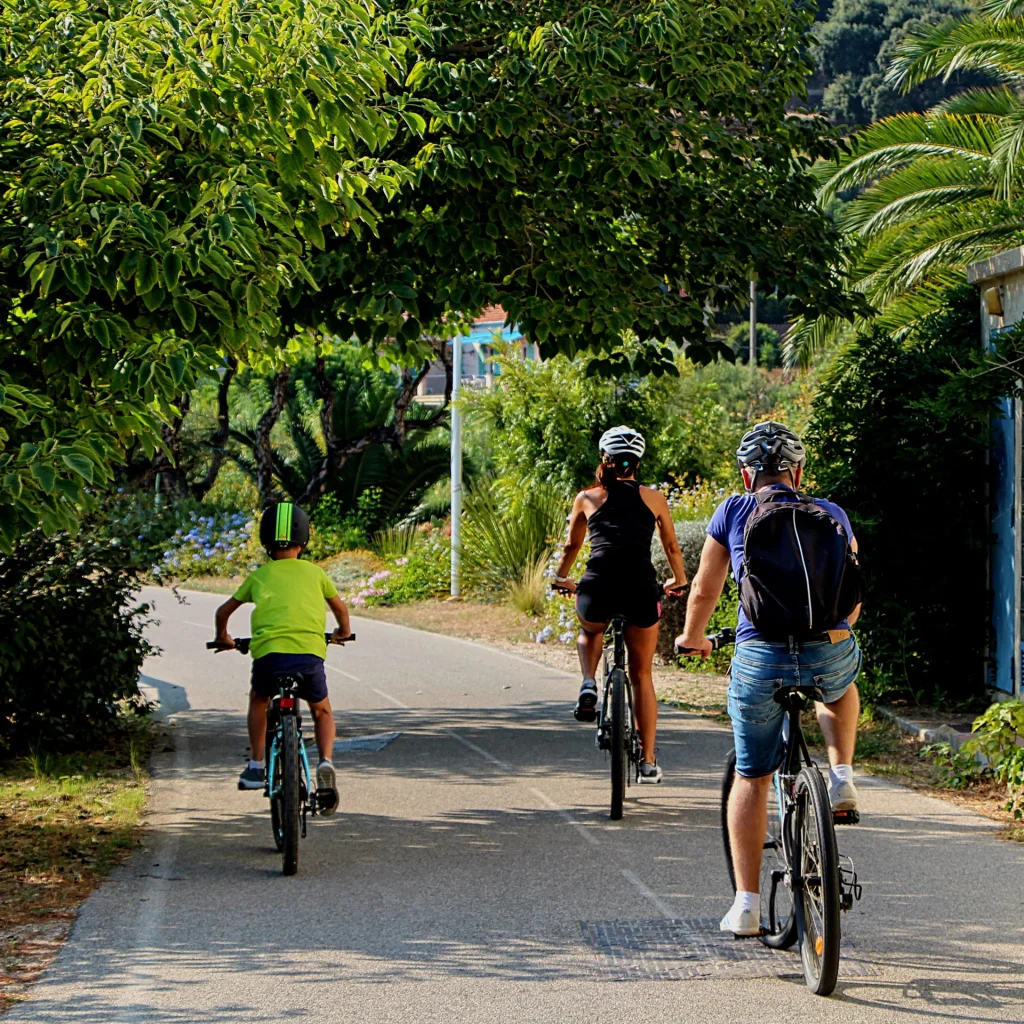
x=799 y=575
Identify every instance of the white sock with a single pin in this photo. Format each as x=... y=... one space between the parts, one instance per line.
x=746 y=901
x=590 y=681
x=842 y=772
x=255 y=764
x=325 y=760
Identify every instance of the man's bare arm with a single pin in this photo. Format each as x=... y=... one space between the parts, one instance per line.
x=704 y=594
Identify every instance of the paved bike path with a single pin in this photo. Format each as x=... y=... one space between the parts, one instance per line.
x=473 y=876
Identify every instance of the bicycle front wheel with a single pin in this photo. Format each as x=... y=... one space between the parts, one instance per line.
x=817 y=897
x=619 y=736
x=289 y=805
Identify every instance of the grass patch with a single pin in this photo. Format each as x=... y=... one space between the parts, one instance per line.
x=67 y=819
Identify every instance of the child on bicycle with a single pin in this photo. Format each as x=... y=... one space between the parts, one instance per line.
x=287 y=638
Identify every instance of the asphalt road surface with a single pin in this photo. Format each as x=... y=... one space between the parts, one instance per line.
x=472 y=874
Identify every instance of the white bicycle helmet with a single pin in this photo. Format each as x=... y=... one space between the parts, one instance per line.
x=623 y=441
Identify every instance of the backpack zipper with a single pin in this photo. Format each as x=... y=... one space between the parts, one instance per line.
x=807 y=576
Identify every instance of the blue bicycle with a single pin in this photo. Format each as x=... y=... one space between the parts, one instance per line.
x=289 y=784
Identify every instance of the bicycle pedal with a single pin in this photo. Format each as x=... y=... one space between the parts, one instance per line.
x=585 y=714
x=846 y=817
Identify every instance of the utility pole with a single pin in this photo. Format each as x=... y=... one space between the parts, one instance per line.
x=753 y=322
x=456 y=470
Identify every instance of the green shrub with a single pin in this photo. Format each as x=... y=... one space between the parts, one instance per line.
x=769 y=345
x=422 y=574
x=395 y=542
x=501 y=547
x=958 y=769
x=71 y=640
x=212 y=544
x=997 y=735
x=908 y=467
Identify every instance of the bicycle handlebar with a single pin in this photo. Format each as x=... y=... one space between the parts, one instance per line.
x=242 y=643
x=723 y=638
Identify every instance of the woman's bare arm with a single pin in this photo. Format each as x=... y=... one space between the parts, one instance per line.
x=658 y=504
x=576 y=536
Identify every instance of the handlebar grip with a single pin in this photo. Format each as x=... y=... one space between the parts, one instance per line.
x=347 y=639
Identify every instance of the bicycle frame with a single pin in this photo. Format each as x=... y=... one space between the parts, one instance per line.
x=286 y=703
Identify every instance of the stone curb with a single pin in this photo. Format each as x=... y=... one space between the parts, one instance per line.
x=925 y=733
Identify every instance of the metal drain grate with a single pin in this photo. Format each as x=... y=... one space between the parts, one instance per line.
x=673 y=949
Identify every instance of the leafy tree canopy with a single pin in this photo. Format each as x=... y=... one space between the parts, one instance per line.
x=600 y=171
x=856 y=41
x=163 y=172
x=183 y=184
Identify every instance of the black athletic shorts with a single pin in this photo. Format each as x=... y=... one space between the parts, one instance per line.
x=599 y=600
x=266 y=672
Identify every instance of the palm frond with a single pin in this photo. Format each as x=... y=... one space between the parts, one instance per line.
x=997 y=9
x=806 y=338
x=991 y=101
x=995 y=46
x=923 y=186
x=895 y=142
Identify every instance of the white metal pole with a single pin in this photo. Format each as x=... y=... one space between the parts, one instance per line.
x=753 y=322
x=456 y=470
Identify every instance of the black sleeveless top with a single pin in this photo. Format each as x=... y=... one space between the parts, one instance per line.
x=621 y=531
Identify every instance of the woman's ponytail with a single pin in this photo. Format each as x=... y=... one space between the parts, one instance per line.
x=620 y=466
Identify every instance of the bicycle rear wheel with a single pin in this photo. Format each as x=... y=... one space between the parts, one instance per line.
x=619 y=736
x=818 y=894
x=778 y=917
x=289 y=804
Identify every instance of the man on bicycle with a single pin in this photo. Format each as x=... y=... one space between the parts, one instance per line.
x=771 y=457
x=287 y=638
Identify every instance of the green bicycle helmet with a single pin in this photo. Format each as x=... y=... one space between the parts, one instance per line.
x=283 y=525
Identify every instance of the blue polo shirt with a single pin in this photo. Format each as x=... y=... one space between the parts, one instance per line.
x=726 y=527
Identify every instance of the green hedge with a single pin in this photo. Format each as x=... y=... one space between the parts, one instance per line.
x=891 y=445
x=71 y=642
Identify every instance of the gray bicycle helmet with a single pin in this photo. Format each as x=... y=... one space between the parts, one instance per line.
x=622 y=441
x=770 y=447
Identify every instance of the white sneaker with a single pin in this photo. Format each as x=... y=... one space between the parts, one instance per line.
x=841 y=795
x=743 y=923
x=326 y=789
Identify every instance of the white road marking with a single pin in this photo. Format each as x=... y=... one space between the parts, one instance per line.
x=582 y=829
x=200 y=625
x=653 y=897
x=394 y=700
x=476 y=644
x=478 y=750
x=347 y=675
x=486 y=755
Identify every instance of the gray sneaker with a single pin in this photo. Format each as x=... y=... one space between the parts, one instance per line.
x=649 y=774
x=326 y=789
x=252 y=778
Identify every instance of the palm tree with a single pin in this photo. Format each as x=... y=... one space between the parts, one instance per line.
x=933 y=191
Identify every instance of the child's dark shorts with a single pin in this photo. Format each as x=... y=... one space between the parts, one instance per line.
x=306 y=667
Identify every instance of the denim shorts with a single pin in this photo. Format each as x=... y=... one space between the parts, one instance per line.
x=308 y=668
x=758 y=669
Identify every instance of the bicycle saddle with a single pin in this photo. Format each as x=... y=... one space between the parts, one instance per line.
x=785 y=693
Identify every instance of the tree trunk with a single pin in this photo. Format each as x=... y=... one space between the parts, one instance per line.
x=263 y=451
x=394 y=433
x=220 y=438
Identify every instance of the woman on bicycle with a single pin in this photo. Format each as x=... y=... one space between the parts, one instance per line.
x=620 y=516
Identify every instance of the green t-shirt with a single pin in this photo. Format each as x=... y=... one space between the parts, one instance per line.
x=289 y=616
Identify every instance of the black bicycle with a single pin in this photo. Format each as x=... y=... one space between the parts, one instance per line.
x=805 y=882
x=616 y=722
x=288 y=778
